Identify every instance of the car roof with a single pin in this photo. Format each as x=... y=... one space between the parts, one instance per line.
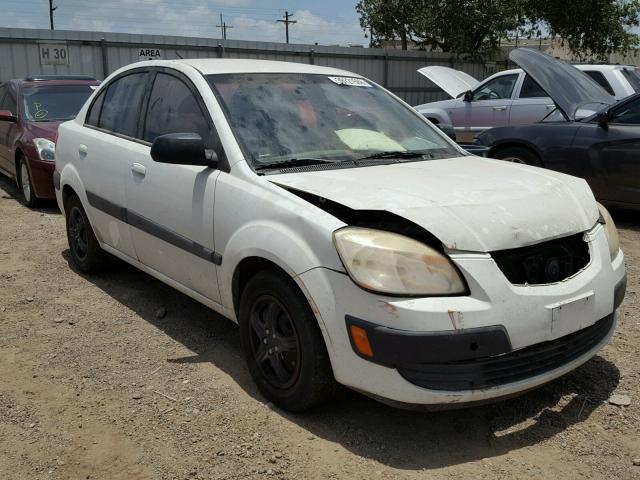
x=601 y=68
x=210 y=66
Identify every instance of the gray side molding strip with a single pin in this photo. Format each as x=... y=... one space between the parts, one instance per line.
x=153 y=228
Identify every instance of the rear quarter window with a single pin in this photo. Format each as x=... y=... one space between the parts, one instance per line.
x=598 y=77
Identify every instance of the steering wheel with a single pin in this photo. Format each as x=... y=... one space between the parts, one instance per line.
x=494 y=95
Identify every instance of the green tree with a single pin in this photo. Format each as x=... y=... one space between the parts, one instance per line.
x=476 y=27
x=593 y=28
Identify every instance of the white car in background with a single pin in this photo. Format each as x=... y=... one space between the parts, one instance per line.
x=352 y=241
x=510 y=97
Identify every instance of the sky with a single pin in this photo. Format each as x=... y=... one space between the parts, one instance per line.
x=327 y=22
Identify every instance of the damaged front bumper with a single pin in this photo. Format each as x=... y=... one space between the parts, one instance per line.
x=500 y=340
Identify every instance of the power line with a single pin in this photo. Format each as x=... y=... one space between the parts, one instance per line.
x=286 y=22
x=223 y=28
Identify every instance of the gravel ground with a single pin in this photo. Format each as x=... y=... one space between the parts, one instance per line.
x=118 y=376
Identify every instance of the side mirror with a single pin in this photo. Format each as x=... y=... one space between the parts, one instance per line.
x=603 y=118
x=183 y=149
x=7 y=116
x=468 y=96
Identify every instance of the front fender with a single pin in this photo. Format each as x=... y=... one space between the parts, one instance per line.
x=275 y=242
x=440 y=115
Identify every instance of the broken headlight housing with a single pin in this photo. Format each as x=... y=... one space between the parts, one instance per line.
x=394 y=264
x=610 y=231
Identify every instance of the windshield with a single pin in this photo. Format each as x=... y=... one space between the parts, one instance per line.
x=289 y=117
x=54 y=102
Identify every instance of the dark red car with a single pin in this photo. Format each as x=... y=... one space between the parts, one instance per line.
x=30 y=111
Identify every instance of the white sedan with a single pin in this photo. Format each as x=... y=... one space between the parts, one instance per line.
x=352 y=242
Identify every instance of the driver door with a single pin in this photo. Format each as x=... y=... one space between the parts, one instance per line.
x=170 y=207
x=489 y=106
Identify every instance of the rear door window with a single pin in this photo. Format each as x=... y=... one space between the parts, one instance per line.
x=632 y=77
x=9 y=101
x=531 y=89
x=598 y=77
x=122 y=103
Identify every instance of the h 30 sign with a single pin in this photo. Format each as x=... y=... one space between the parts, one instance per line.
x=54 y=54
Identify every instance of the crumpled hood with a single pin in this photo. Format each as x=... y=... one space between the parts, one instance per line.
x=468 y=203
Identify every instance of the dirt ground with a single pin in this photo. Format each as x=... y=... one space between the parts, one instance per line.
x=95 y=384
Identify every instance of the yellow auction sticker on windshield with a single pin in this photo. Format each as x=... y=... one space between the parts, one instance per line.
x=350 y=81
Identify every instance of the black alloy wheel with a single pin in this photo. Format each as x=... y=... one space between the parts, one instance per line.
x=275 y=342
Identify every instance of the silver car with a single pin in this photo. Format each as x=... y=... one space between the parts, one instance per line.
x=510 y=97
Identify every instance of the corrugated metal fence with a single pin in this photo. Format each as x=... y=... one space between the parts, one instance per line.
x=37 y=52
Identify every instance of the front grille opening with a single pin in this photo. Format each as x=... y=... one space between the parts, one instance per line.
x=546 y=262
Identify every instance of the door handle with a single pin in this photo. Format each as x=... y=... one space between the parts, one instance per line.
x=549 y=107
x=82 y=150
x=499 y=109
x=139 y=169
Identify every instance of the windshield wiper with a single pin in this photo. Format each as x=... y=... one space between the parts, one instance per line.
x=397 y=154
x=294 y=162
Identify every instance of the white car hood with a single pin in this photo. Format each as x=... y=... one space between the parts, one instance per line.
x=454 y=82
x=468 y=203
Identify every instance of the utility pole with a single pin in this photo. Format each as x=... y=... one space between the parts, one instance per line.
x=52 y=8
x=223 y=28
x=286 y=22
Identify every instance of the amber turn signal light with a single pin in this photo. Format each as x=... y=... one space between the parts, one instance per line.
x=361 y=341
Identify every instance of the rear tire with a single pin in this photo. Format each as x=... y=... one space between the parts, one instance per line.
x=86 y=253
x=282 y=343
x=519 y=155
x=25 y=183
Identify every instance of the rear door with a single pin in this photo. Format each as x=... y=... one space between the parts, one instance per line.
x=532 y=103
x=104 y=147
x=170 y=207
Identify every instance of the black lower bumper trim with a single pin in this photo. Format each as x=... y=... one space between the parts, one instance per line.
x=508 y=368
x=392 y=347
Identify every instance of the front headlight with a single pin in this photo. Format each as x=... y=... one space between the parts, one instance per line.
x=46 y=149
x=390 y=263
x=610 y=230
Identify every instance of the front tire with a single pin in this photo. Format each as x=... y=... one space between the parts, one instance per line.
x=25 y=184
x=282 y=343
x=519 y=155
x=86 y=253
